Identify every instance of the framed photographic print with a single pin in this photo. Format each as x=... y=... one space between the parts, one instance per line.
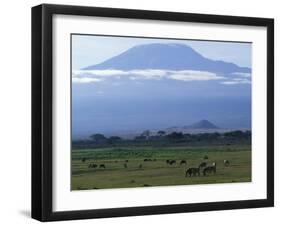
x=145 y=112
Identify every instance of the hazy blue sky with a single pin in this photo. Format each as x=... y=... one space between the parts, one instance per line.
x=89 y=50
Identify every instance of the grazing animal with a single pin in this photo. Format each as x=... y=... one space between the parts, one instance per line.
x=210 y=169
x=168 y=161
x=102 y=166
x=172 y=162
x=147 y=160
x=140 y=166
x=202 y=164
x=92 y=165
x=206 y=157
x=126 y=160
x=183 y=162
x=125 y=165
x=226 y=162
x=83 y=159
x=192 y=172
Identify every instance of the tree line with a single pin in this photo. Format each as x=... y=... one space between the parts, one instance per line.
x=164 y=138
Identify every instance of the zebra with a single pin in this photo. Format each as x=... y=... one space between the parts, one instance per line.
x=192 y=172
x=226 y=162
x=202 y=165
x=172 y=162
x=210 y=169
x=183 y=162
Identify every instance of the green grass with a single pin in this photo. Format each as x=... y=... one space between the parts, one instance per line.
x=157 y=173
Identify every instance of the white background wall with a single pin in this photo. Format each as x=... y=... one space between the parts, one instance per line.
x=15 y=85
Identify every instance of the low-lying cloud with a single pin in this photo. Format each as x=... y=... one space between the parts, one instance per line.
x=242 y=74
x=236 y=81
x=93 y=76
x=85 y=80
x=195 y=76
x=96 y=76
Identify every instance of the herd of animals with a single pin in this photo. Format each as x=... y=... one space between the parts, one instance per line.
x=203 y=167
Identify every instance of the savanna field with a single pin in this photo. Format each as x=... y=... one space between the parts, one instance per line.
x=123 y=167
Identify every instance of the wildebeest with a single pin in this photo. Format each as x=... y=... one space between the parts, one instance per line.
x=192 y=172
x=182 y=162
x=140 y=166
x=126 y=160
x=102 y=166
x=83 y=159
x=125 y=165
x=168 y=161
x=171 y=162
x=210 y=169
x=206 y=157
x=202 y=165
x=226 y=162
x=147 y=160
x=92 y=165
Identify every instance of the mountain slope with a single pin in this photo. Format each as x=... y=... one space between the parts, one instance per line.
x=166 y=56
x=203 y=124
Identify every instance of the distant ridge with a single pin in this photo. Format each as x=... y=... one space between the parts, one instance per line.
x=203 y=124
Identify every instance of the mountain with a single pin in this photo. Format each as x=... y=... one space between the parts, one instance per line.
x=203 y=124
x=166 y=56
x=104 y=101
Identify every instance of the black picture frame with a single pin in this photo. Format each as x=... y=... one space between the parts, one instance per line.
x=42 y=111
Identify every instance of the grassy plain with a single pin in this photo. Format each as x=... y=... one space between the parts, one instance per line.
x=157 y=172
